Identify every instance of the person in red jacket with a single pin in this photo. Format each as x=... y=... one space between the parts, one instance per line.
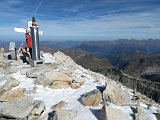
x=29 y=43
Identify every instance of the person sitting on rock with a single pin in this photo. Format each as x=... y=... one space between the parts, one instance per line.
x=25 y=55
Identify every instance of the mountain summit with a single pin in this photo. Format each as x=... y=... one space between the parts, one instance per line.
x=62 y=90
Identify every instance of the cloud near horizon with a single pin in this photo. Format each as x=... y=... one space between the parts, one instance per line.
x=87 y=20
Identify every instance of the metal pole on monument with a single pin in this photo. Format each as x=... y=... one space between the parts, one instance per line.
x=35 y=44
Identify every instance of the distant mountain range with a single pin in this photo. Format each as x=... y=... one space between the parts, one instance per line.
x=118 y=50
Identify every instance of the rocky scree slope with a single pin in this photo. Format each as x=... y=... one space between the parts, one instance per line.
x=62 y=90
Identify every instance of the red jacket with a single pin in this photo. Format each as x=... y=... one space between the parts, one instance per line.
x=29 y=41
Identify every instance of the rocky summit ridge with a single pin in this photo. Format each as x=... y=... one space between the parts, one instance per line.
x=62 y=90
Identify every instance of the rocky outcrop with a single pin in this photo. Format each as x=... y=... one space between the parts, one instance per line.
x=92 y=98
x=151 y=74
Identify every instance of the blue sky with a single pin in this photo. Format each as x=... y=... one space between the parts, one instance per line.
x=82 y=19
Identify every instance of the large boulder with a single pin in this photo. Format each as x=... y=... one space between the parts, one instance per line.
x=92 y=98
x=57 y=76
x=12 y=94
x=9 y=84
x=39 y=70
x=62 y=115
x=115 y=114
x=64 y=60
x=59 y=85
x=144 y=114
x=75 y=85
x=66 y=114
x=31 y=73
x=19 y=108
x=117 y=95
x=43 y=80
x=38 y=110
x=58 y=106
x=67 y=71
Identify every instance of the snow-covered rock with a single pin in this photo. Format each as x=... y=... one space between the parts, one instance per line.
x=47 y=57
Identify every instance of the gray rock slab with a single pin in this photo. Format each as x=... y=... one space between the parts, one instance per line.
x=144 y=114
x=10 y=83
x=43 y=80
x=40 y=107
x=39 y=70
x=116 y=114
x=92 y=98
x=66 y=114
x=24 y=70
x=19 y=108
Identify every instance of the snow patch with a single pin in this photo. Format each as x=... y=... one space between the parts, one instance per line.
x=47 y=57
